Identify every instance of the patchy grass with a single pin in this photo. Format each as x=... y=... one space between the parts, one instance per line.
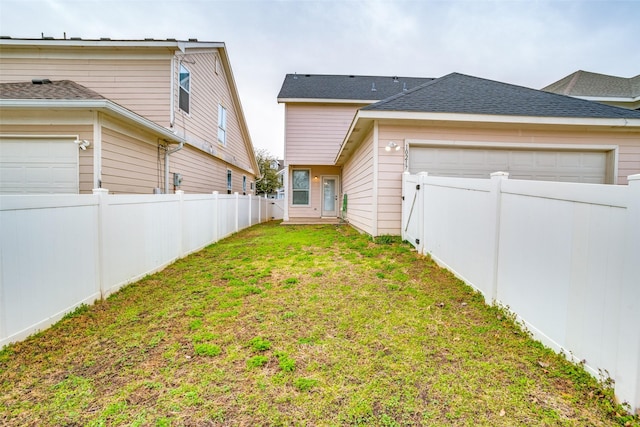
x=298 y=325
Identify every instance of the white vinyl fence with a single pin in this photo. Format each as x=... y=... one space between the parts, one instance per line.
x=60 y=251
x=564 y=257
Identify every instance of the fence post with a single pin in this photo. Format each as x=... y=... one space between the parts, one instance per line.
x=237 y=213
x=216 y=216
x=627 y=382
x=102 y=194
x=181 y=222
x=496 y=191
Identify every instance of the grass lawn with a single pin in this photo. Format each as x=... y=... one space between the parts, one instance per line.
x=298 y=325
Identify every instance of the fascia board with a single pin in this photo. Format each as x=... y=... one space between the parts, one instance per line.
x=89 y=43
x=95 y=104
x=610 y=98
x=486 y=118
x=326 y=101
x=235 y=95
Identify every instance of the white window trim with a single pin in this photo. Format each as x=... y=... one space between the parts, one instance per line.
x=222 y=114
x=180 y=87
x=308 y=190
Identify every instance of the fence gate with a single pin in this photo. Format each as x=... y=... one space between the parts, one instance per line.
x=412 y=212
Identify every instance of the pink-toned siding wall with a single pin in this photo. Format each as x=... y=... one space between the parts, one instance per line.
x=208 y=90
x=628 y=142
x=138 y=82
x=314 y=132
x=358 y=186
x=314 y=209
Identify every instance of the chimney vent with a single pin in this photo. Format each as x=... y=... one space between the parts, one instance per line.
x=41 y=81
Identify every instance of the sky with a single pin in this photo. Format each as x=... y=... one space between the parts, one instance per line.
x=524 y=42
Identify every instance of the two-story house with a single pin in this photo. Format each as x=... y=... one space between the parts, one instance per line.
x=349 y=139
x=318 y=112
x=132 y=116
x=612 y=90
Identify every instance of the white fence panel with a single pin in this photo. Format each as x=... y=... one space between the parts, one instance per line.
x=275 y=209
x=48 y=260
x=256 y=206
x=227 y=220
x=412 y=212
x=143 y=236
x=244 y=212
x=199 y=228
x=465 y=238
x=564 y=257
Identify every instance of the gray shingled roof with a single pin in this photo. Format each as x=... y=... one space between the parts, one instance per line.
x=45 y=89
x=459 y=93
x=585 y=83
x=319 y=86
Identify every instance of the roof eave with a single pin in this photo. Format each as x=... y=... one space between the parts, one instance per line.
x=609 y=98
x=226 y=63
x=95 y=104
x=371 y=115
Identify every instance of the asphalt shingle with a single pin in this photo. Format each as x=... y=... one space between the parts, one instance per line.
x=351 y=87
x=459 y=93
x=45 y=89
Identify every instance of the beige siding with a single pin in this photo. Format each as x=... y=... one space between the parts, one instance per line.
x=209 y=89
x=358 y=185
x=314 y=209
x=314 y=133
x=203 y=173
x=22 y=123
x=130 y=163
x=138 y=82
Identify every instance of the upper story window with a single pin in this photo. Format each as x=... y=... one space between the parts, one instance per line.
x=244 y=184
x=301 y=186
x=229 y=181
x=222 y=125
x=185 y=87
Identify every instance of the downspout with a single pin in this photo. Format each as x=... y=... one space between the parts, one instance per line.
x=167 y=153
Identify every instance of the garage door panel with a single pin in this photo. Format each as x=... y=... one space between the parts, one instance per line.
x=544 y=165
x=38 y=165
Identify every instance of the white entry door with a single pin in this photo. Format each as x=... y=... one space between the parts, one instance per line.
x=329 y=196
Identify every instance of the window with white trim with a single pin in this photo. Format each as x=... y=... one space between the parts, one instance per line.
x=222 y=125
x=185 y=88
x=229 y=181
x=301 y=186
x=244 y=184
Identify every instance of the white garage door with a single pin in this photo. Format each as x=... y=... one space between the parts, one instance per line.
x=542 y=165
x=38 y=165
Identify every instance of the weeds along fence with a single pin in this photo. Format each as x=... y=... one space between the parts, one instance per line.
x=564 y=257
x=60 y=251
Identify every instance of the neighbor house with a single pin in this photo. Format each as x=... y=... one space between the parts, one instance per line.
x=612 y=90
x=350 y=156
x=131 y=116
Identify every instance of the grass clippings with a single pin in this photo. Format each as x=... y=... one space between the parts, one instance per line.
x=298 y=325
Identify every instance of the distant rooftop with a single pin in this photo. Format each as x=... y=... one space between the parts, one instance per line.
x=46 y=89
x=345 y=87
x=459 y=93
x=585 y=83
